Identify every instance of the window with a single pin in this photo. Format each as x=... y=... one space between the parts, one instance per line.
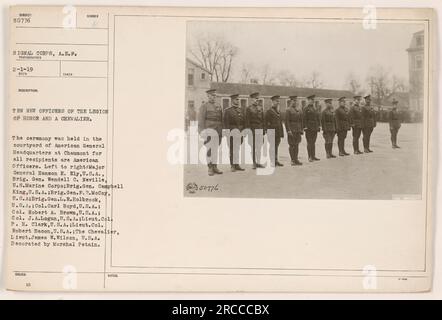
x=226 y=103
x=287 y=103
x=418 y=62
x=243 y=104
x=190 y=77
x=420 y=41
x=203 y=76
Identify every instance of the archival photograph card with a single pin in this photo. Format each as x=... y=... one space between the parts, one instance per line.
x=220 y=149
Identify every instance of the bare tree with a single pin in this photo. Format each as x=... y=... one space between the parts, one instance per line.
x=247 y=73
x=353 y=84
x=216 y=55
x=378 y=81
x=313 y=80
x=398 y=84
x=267 y=75
x=286 y=78
x=224 y=68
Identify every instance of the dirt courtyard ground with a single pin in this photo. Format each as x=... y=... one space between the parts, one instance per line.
x=384 y=174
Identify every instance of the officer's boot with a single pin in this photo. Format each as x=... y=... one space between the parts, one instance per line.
x=331 y=151
x=356 y=147
x=253 y=158
x=292 y=155
x=238 y=168
x=258 y=162
x=314 y=153
x=256 y=159
x=309 y=152
x=364 y=141
x=211 y=172
x=327 y=151
x=216 y=170
x=393 y=141
x=368 y=146
x=277 y=163
x=296 y=151
x=341 y=148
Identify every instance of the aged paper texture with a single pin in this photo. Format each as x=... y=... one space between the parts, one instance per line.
x=112 y=112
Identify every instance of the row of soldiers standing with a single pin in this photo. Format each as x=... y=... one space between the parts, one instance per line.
x=339 y=122
x=359 y=119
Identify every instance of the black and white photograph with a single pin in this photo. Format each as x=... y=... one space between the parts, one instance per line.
x=300 y=109
x=244 y=151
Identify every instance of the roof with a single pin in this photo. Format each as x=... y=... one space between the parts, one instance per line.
x=413 y=43
x=198 y=65
x=271 y=90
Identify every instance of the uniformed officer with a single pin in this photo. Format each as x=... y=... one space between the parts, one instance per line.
x=368 y=123
x=255 y=121
x=273 y=121
x=328 y=122
x=394 y=120
x=295 y=129
x=234 y=119
x=312 y=125
x=342 y=126
x=355 y=116
x=211 y=117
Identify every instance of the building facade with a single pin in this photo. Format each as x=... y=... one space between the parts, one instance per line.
x=416 y=71
x=225 y=89
x=197 y=82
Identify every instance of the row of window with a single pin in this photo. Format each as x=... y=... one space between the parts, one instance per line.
x=191 y=76
x=420 y=41
x=418 y=62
